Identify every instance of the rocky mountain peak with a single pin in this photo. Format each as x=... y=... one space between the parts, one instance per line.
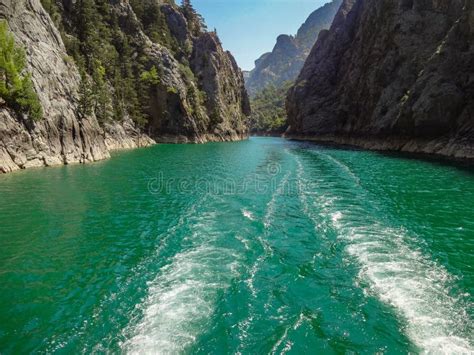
x=287 y=57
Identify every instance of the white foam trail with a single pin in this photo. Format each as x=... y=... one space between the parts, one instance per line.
x=272 y=204
x=244 y=241
x=267 y=220
x=304 y=193
x=288 y=343
x=341 y=165
x=248 y=214
x=181 y=299
x=417 y=287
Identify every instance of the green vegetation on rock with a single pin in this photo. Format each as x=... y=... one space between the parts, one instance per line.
x=52 y=8
x=154 y=23
x=149 y=61
x=16 y=87
x=118 y=77
x=268 y=109
x=114 y=69
x=195 y=20
x=110 y=80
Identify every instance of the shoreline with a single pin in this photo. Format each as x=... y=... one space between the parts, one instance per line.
x=113 y=144
x=441 y=148
x=266 y=134
x=435 y=149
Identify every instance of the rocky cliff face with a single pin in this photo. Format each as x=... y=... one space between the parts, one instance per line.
x=60 y=137
x=391 y=74
x=220 y=78
x=289 y=54
x=199 y=94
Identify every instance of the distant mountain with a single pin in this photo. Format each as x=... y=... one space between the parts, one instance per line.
x=290 y=52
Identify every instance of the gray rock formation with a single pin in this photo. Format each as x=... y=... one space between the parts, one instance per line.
x=391 y=75
x=223 y=84
x=178 y=115
x=60 y=137
x=284 y=63
x=201 y=95
x=203 y=101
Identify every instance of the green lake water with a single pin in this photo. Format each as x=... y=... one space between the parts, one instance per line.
x=255 y=247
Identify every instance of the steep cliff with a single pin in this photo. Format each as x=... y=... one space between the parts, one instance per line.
x=60 y=137
x=391 y=75
x=289 y=54
x=200 y=94
x=110 y=78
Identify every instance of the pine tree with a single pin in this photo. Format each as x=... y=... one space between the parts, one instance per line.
x=100 y=94
x=86 y=29
x=16 y=87
x=195 y=21
x=85 y=96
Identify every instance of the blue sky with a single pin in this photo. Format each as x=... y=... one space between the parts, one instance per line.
x=249 y=28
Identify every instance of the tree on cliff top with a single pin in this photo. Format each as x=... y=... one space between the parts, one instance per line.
x=195 y=20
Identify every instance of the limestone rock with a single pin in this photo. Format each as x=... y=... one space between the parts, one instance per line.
x=222 y=81
x=201 y=95
x=391 y=74
x=60 y=137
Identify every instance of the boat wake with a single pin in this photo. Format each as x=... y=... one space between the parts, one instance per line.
x=266 y=252
x=182 y=297
x=180 y=301
x=419 y=290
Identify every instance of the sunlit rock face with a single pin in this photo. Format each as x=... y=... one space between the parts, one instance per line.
x=200 y=96
x=60 y=137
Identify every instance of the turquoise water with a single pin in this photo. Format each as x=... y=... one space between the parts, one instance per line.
x=255 y=247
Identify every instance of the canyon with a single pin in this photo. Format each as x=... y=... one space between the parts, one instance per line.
x=195 y=92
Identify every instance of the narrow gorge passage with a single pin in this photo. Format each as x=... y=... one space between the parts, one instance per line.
x=260 y=246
